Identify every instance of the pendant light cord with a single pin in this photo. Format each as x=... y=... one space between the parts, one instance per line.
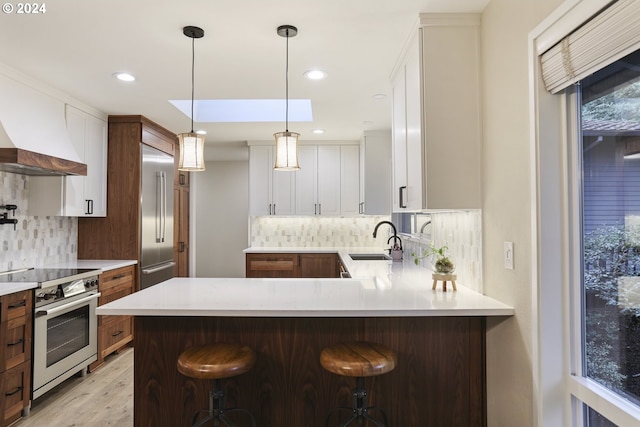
x=287 y=86
x=193 y=73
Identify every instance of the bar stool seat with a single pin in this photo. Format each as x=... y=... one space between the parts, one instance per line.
x=358 y=359
x=215 y=362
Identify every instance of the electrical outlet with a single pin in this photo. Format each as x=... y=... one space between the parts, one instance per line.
x=508 y=255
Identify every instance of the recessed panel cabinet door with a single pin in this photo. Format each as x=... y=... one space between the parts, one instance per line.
x=306 y=179
x=329 y=180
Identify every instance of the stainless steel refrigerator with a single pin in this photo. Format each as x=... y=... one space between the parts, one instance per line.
x=156 y=263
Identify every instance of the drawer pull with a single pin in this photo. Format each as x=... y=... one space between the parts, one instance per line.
x=117 y=333
x=11 y=344
x=118 y=276
x=14 y=391
x=22 y=303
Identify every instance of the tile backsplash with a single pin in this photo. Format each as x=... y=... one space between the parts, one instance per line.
x=37 y=240
x=315 y=232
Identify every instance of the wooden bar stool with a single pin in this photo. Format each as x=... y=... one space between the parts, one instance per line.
x=358 y=359
x=214 y=362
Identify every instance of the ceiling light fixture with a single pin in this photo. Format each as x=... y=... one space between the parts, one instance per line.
x=318 y=131
x=287 y=142
x=125 y=77
x=191 y=143
x=315 y=75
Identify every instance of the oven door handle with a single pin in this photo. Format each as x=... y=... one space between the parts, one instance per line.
x=67 y=306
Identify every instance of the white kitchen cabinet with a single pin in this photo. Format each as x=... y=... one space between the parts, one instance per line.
x=436 y=116
x=270 y=192
x=77 y=196
x=318 y=180
x=375 y=173
x=350 y=180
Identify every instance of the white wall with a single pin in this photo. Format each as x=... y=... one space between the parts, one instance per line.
x=507 y=206
x=221 y=210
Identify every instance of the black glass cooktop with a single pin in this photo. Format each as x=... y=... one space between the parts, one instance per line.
x=48 y=275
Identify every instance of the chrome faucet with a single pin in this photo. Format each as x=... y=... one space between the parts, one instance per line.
x=395 y=232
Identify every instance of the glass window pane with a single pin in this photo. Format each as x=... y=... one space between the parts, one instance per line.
x=595 y=419
x=610 y=126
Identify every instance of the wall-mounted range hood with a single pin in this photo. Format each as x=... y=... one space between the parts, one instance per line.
x=33 y=133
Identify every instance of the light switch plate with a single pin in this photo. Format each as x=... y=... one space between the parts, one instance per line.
x=508 y=255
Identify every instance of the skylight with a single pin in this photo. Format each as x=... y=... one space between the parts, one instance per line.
x=245 y=110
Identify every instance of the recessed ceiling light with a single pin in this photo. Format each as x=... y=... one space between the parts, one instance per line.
x=125 y=77
x=201 y=132
x=315 y=74
x=379 y=96
x=367 y=122
x=318 y=131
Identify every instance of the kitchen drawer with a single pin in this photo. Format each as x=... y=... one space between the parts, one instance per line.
x=119 y=276
x=15 y=344
x=110 y=295
x=272 y=265
x=115 y=335
x=14 y=392
x=16 y=305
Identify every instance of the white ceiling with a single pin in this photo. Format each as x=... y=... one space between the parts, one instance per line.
x=77 y=45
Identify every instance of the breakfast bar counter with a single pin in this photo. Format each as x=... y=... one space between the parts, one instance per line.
x=439 y=338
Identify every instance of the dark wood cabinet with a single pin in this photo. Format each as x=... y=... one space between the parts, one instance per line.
x=300 y=265
x=272 y=265
x=117 y=236
x=16 y=329
x=114 y=332
x=318 y=265
x=181 y=186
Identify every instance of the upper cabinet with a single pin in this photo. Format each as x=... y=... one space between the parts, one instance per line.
x=270 y=192
x=327 y=183
x=375 y=173
x=77 y=196
x=436 y=127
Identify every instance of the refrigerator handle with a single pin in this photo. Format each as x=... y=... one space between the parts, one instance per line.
x=158 y=207
x=164 y=206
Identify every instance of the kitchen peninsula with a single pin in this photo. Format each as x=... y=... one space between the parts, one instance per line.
x=438 y=336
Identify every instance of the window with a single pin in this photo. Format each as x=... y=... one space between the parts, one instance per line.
x=608 y=307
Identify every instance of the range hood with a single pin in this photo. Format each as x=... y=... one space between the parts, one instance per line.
x=33 y=133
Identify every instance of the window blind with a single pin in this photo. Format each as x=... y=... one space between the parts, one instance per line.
x=608 y=36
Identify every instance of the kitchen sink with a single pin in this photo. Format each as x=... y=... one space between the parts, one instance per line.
x=370 y=257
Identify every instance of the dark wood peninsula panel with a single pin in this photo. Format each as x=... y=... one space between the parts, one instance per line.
x=292 y=265
x=439 y=380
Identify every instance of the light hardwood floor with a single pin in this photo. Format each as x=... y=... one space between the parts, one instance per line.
x=102 y=398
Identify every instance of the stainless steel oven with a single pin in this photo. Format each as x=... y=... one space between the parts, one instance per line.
x=65 y=330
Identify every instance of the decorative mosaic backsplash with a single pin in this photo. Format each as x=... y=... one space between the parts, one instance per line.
x=37 y=241
x=315 y=232
x=462 y=233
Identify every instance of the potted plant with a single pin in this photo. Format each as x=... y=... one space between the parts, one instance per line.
x=442 y=263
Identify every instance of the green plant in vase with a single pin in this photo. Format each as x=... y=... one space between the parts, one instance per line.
x=442 y=263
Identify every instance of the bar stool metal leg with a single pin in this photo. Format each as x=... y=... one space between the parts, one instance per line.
x=217 y=410
x=360 y=410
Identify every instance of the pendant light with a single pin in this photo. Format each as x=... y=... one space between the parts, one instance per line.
x=191 y=143
x=287 y=142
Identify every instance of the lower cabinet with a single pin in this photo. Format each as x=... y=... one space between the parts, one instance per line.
x=16 y=328
x=288 y=265
x=114 y=332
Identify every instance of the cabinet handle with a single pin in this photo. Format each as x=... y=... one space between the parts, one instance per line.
x=11 y=344
x=315 y=209
x=402 y=201
x=361 y=208
x=89 y=210
x=274 y=209
x=14 y=391
x=22 y=303
x=319 y=208
x=181 y=179
x=182 y=246
x=117 y=333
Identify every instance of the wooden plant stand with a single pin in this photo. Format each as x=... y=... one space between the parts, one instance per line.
x=444 y=278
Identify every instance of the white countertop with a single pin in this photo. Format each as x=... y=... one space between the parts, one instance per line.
x=376 y=289
x=7 y=288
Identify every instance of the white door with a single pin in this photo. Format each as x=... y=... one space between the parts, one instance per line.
x=329 y=180
x=306 y=179
x=414 y=136
x=350 y=180
x=399 y=141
